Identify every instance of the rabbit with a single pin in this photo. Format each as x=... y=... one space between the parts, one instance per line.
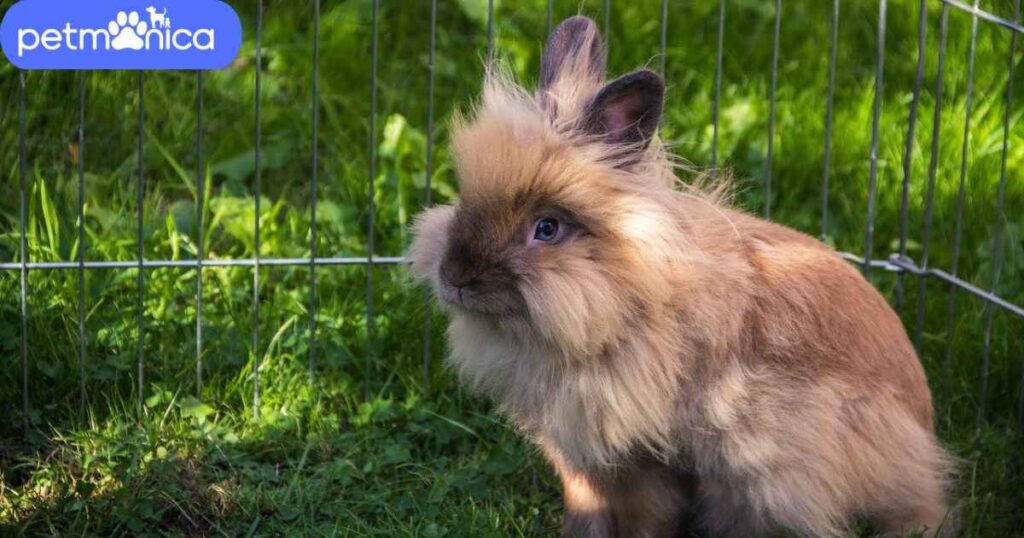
x=683 y=366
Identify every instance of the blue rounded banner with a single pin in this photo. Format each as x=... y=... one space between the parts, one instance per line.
x=120 y=34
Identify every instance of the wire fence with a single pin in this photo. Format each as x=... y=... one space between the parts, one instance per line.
x=899 y=262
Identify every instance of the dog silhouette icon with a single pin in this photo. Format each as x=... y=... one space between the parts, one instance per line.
x=158 y=20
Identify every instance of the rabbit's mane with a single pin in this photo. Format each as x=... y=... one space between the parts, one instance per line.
x=589 y=309
x=595 y=357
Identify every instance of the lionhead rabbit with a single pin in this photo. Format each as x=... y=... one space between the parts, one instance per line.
x=682 y=365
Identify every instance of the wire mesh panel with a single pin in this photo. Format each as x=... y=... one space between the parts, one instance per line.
x=901 y=262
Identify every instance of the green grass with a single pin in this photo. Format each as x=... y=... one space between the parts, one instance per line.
x=366 y=448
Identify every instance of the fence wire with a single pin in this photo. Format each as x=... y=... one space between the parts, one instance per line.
x=898 y=262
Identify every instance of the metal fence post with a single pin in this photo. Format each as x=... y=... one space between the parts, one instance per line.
x=428 y=173
x=716 y=106
x=908 y=152
x=663 y=46
x=961 y=192
x=23 y=248
x=769 y=160
x=372 y=208
x=200 y=251
x=81 y=245
x=140 y=192
x=258 y=135
x=314 y=247
x=876 y=119
x=829 y=102
x=933 y=165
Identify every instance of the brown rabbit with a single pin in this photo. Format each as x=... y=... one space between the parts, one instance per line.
x=682 y=365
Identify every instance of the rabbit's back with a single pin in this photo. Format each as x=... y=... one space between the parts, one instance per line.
x=811 y=315
x=819 y=410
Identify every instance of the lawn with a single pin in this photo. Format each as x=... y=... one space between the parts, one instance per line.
x=357 y=434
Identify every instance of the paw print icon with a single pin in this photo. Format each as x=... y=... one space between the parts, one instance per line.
x=127 y=30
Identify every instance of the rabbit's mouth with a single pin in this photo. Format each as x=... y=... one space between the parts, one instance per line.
x=481 y=298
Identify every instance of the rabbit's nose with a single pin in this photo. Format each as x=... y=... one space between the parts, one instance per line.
x=459 y=274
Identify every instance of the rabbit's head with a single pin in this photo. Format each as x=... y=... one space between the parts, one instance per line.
x=564 y=233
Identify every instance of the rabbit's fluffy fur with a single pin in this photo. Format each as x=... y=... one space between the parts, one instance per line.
x=681 y=364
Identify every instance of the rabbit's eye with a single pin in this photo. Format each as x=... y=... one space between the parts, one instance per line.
x=546 y=230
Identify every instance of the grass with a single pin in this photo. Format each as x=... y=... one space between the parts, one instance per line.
x=373 y=444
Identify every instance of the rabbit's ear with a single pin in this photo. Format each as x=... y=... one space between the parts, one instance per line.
x=574 y=57
x=626 y=111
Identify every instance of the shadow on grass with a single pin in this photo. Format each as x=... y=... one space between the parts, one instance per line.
x=388 y=469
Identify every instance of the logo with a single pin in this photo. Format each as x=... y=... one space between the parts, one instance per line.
x=120 y=34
